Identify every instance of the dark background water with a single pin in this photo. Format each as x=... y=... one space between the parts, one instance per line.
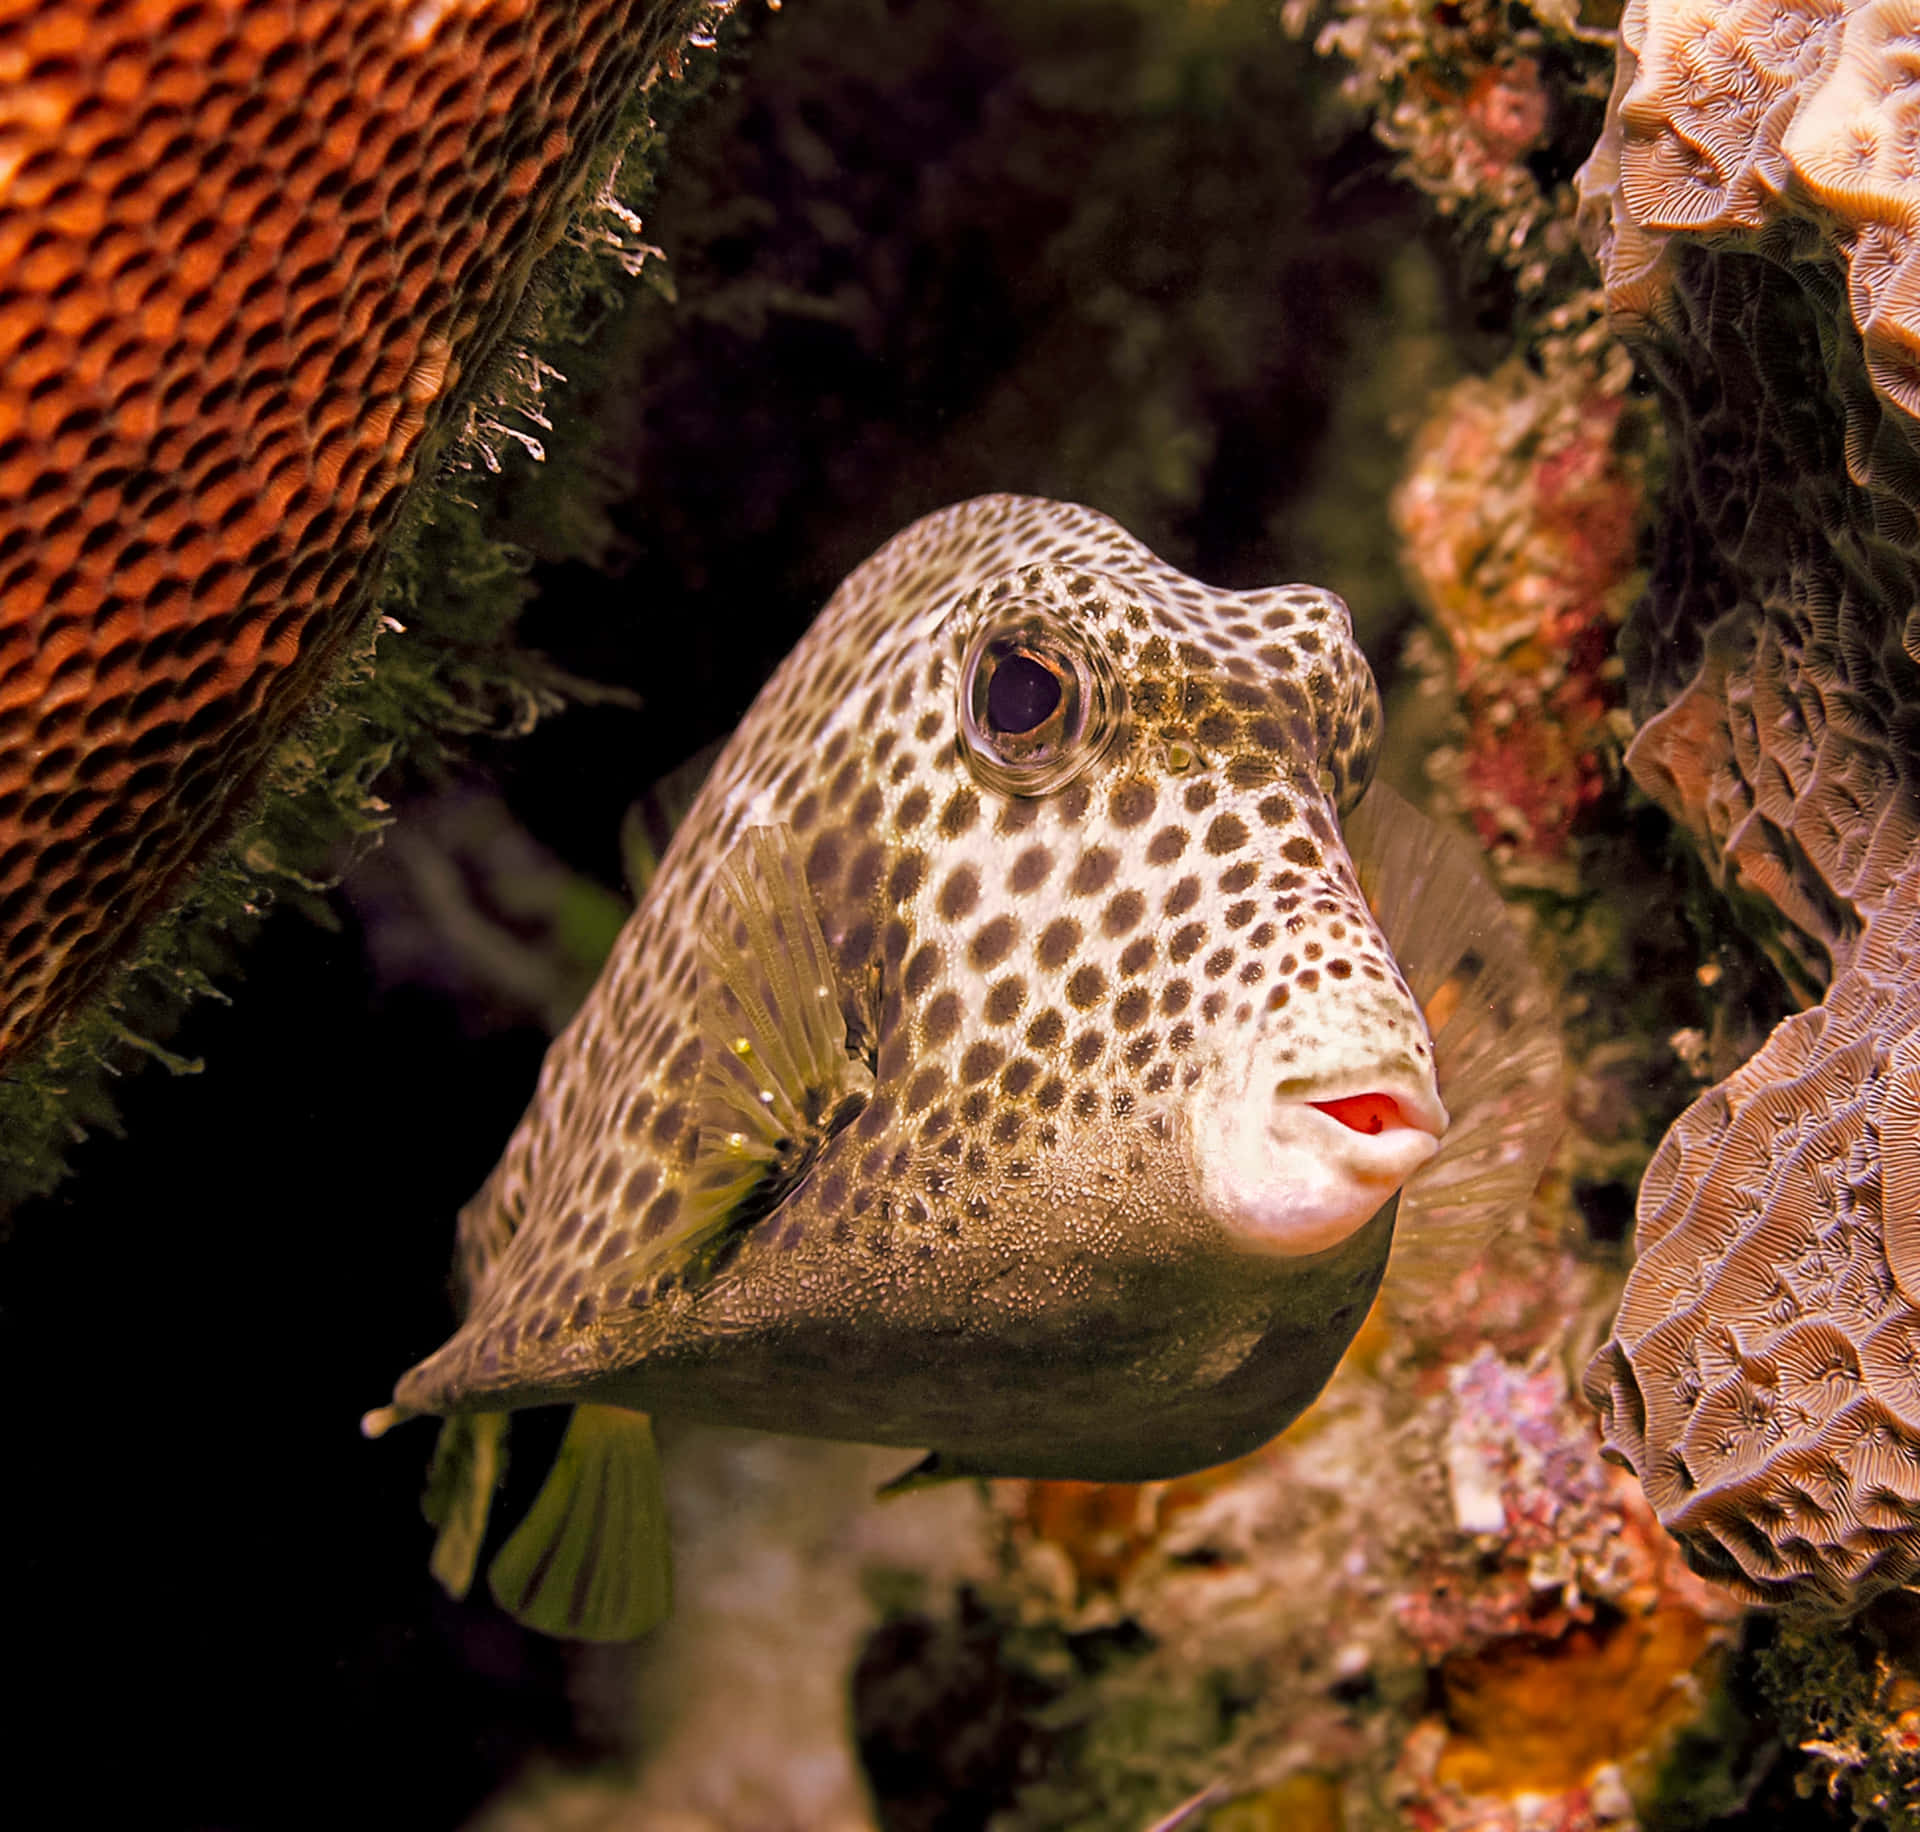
x=919 y=252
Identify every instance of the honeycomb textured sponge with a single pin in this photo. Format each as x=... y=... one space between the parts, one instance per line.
x=252 y=257
x=1752 y=204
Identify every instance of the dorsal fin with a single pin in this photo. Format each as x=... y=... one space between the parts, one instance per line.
x=1496 y=1044
x=591 y=1560
x=648 y=827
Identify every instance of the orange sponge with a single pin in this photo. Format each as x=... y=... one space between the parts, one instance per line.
x=251 y=257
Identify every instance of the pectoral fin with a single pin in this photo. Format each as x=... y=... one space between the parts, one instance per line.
x=778 y=1078
x=590 y=1561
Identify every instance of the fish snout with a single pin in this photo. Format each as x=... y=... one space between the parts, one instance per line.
x=1294 y=1169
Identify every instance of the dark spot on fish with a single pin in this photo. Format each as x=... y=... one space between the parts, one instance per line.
x=1213 y=1005
x=1237 y=878
x=1086 y=1050
x=1308 y=979
x=1166 y=845
x=1086 y=988
x=1052 y=1092
x=980 y=1061
x=1057 y=942
x=833 y=1192
x=1199 y=796
x=637 y=1111
x=1123 y=913
x=1140 y=1051
x=1182 y=897
x=1218 y=962
x=922 y=971
x=1175 y=996
x=960 y=813
x=1242 y=913
x=960 y=893
x=1340 y=969
x=824 y=860
x=1227 y=834
x=1131 y=1008
x=1180 y=1038
x=1094 y=872
x=1252 y=972
x=1075 y=801
x=1301 y=851
x=975 y=1108
x=1131 y=803
x=1217 y=729
x=912 y=810
x=863 y=876
x=1046 y=1030
x=668 y=1126
x=1086 y=1103
x=893 y=942
x=1016 y=815
x=876 y=1119
x=804 y=812
x=1186 y=942
x=1005 y=998
x=942 y=1018
x=1261 y=936
x=1018 y=1076
x=1007 y=1127
x=1030 y=870
x=926 y=1086
x=685 y=1064
x=992 y=942
x=660 y=1215
x=640 y=1186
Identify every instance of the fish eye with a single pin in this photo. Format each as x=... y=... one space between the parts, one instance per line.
x=1039 y=702
x=1023 y=692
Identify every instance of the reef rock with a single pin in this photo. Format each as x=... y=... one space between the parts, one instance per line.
x=1753 y=204
x=254 y=258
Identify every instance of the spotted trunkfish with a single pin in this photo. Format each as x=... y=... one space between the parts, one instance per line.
x=1009 y=1057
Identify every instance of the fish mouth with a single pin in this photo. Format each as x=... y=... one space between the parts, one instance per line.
x=1300 y=1170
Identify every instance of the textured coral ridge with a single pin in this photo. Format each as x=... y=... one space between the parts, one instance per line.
x=248 y=255
x=1752 y=203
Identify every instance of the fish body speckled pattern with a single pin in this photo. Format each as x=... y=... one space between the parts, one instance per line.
x=1114 y=1076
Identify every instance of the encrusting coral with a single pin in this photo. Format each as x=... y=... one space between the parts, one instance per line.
x=1751 y=205
x=257 y=265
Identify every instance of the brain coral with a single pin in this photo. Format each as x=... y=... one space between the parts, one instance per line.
x=252 y=258
x=1753 y=203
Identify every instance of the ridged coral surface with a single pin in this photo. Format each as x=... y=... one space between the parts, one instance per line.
x=1752 y=202
x=251 y=258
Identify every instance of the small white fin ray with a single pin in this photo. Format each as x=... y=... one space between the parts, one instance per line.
x=1496 y=1042
x=591 y=1560
x=468 y=1462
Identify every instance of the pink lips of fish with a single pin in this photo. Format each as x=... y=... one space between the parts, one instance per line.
x=1292 y=1175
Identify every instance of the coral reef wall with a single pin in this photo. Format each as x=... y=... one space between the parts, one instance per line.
x=256 y=261
x=1749 y=204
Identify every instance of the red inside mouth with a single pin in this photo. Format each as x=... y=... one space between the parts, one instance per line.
x=1370 y=1113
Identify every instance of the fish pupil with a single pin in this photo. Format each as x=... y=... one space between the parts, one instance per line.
x=1022 y=695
